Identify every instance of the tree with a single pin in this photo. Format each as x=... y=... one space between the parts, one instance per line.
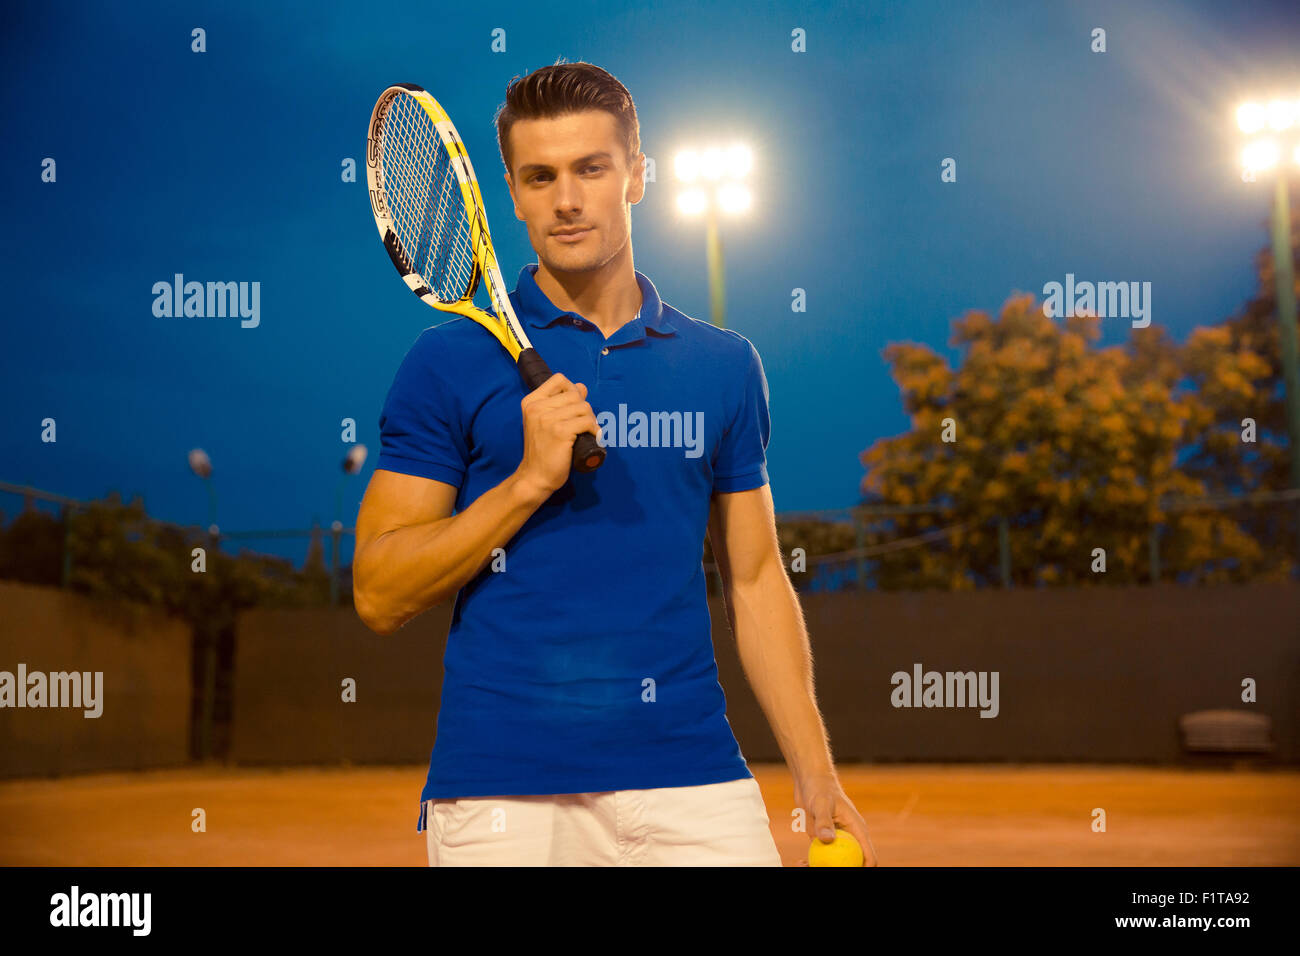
x=1235 y=373
x=1075 y=446
x=117 y=551
x=31 y=548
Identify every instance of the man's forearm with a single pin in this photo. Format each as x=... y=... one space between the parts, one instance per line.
x=406 y=571
x=773 y=643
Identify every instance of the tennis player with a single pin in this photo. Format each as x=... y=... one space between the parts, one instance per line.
x=581 y=721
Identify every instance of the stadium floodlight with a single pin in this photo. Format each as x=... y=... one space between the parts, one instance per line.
x=1251 y=118
x=1281 y=114
x=355 y=459
x=1280 y=117
x=1260 y=155
x=734 y=197
x=200 y=463
x=687 y=166
x=692 y=202
x=740 y=160
x=711 y=177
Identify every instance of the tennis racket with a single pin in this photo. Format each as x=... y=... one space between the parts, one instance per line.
x=430 y=215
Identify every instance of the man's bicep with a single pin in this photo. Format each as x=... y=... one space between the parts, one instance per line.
x=394 y=500
x=742 y=532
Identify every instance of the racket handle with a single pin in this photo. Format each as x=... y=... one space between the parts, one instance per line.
x=587 y=453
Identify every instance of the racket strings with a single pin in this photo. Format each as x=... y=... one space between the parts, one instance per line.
x=425 y=201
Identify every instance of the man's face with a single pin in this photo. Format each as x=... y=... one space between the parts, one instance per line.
x=571 y=173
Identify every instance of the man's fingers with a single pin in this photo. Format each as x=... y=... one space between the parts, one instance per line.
x=557 y=384
x=573 y=420
x=559 y=396
x=859 y=830
x=823 y=817
x=585 y=422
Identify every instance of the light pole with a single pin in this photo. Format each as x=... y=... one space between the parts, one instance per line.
x=201 y=465
x=352 y=463
x=1275 y=145
x=712 y=185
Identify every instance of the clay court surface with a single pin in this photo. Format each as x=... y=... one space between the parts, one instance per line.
x=917 y=814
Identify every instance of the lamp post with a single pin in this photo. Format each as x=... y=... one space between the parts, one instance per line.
x=712 y=186
x=201 y=465
x=352 y=463
x=1274 y=128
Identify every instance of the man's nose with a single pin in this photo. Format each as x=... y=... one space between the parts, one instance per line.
x=568 y=195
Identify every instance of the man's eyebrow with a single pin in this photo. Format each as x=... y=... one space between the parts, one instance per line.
x=535 y=167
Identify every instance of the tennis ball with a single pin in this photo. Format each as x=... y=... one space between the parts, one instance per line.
x=844 y=851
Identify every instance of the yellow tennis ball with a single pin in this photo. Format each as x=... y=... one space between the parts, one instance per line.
x=844 y=851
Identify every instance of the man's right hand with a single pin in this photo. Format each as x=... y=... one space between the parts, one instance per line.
x=555 y=414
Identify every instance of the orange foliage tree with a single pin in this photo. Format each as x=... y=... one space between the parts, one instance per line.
x=1077 y=447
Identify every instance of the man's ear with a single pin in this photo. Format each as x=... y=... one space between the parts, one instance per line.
x=636 y=189
x=511 y=186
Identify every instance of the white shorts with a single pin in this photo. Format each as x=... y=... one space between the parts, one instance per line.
x=716 y=824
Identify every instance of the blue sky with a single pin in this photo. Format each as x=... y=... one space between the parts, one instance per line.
x=225 y=165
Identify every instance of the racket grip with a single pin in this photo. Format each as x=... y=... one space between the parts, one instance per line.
x=588 y=455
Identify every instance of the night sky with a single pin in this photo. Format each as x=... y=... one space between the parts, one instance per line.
x=225 y=166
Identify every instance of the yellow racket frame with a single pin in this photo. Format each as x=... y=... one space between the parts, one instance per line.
x=588 y=454
x=505 y=324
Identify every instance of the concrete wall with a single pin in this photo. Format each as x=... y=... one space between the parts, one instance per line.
x=145 y=659
x=1084 y=675
x=289 y=670
x=1099 y=674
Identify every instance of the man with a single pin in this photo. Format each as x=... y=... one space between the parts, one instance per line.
x=581 y=720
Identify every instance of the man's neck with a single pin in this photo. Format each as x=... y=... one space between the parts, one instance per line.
x=608 y=297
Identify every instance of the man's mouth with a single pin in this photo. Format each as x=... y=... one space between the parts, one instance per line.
x=572 y=236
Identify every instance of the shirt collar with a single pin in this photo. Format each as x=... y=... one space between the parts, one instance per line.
x=539 y=311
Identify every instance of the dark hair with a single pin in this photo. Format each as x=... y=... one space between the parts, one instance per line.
x=564 y=88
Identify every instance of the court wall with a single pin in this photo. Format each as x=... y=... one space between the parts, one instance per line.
x=143 y=657
x=1088 y=675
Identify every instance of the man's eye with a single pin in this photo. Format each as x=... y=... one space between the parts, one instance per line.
x=540 y=176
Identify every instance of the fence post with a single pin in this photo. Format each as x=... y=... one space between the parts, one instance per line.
x=1153 y=553
x=209 y=659
x=66 y=575
x=860 y=541
x=335 y=530
x=1004 y=550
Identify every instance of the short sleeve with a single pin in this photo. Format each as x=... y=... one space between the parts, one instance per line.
x=419 y=425
x=742 y=459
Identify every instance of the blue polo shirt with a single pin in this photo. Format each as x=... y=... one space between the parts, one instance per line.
x=585 y=662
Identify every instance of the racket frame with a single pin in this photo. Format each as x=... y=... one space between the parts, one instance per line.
x=588 y=454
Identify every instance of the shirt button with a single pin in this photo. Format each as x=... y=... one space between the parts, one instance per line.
x=604 y=351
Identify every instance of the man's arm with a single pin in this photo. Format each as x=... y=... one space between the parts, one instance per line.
x=412 y=553
x=768 y=625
